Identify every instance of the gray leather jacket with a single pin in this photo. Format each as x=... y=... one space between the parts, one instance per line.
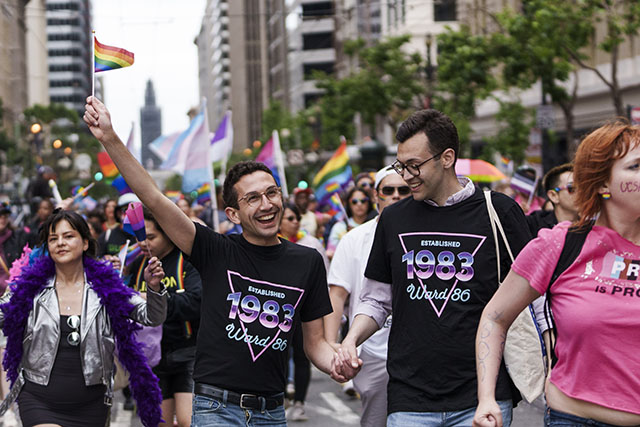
x=97 y=344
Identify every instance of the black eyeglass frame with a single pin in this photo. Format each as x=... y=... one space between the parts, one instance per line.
x=400 y=167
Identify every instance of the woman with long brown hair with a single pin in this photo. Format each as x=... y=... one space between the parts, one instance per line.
x=595 y=301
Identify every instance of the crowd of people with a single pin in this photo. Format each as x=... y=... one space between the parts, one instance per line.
x=408 y=295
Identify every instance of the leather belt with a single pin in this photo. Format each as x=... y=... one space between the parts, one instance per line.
x=244 y=400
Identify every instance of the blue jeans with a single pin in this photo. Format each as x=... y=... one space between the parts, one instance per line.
x=462 y=418
x=213 y=412
x=561 y=419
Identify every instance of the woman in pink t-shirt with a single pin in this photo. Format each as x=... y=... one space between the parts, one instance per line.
x=595 y=301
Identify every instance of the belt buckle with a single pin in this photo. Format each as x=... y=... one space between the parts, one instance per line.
x=242 y=397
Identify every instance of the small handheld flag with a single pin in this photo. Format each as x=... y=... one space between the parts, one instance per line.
x=136 y=218
x=110 y=58
x=122 y=255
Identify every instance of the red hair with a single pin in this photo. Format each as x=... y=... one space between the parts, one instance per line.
x=593 y=163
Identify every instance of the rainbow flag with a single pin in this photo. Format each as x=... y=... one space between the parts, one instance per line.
x=109 y=169
x=110 y=58
x=173 y=195
x=334 y=176
x=204 y=194
x=337 y=209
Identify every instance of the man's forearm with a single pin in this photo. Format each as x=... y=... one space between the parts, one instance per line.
x=362 y=328
x=338 y=296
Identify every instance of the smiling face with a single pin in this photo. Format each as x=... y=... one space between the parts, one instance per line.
x=260 y=221
x=65 y=244
x=393 y=182
x=414 y=151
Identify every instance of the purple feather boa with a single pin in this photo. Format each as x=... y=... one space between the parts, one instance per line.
x=114 y=296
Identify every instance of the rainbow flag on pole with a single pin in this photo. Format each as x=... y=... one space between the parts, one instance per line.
x=109 y=57
x=107 y=166
x=334 y=176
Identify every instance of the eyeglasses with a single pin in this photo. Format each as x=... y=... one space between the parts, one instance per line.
x=359 y=201
x=74 y=336
x=291 y=218
x=254 y=197
x=389 y=190
x=569 y=187
x=414 y=170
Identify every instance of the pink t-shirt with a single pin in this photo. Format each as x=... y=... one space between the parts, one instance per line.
x=596 y=307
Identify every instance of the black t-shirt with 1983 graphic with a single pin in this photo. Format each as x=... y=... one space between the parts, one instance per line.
x=441 y=263
x=251 y=297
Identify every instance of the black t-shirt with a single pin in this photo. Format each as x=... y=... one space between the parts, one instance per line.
x=441 y=264
x=540 y=219
x=251 y=297
x=110 y=242
x=184 y=287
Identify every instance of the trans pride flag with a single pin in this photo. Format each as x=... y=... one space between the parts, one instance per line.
x=334 y=176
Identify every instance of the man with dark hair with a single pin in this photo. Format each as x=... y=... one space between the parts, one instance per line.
x=558 y=186
x=254 y=288
x=433 y=264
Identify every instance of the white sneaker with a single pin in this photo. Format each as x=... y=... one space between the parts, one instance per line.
x=349 y=389
x=296 y=412
x=291 y=390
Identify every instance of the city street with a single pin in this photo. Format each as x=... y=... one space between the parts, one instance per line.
x=328 y=406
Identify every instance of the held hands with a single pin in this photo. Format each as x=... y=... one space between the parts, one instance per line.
x=345 y=364
x=97 y=117
x=153 y=274
x=488 y=414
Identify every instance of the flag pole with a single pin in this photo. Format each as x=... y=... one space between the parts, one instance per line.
x=93 y=63
x=280 y=163
x=212 y=183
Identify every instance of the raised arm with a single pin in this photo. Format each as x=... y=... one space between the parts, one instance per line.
x=510 y=299
x=179 y=228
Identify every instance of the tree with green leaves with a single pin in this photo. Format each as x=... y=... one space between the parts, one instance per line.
x=388 y=83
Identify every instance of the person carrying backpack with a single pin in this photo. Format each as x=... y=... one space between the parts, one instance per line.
x=595 y=300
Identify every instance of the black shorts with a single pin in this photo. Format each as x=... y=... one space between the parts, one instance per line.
x=176 y=380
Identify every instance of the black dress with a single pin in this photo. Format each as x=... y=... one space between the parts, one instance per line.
x=66 y=400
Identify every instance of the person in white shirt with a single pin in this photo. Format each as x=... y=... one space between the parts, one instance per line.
x=346 y=279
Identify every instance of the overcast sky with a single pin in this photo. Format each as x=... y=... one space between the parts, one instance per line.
x=160 y=33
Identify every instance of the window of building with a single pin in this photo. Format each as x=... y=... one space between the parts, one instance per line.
x=316 y=10
x=326 y=67
x=444 y=10
x=314 y=41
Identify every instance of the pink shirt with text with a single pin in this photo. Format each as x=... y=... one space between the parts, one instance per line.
x=596 y=307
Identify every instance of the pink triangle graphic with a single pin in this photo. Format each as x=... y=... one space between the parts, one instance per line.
x=424 y=287
x=230 y=273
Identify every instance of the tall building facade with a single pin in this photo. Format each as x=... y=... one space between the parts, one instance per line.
x=150 y=127
x=69 y=43
x=13 y=61
x=242 y=63
x=37 y=53
x=311 y=47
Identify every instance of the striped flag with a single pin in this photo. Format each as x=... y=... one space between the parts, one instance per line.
x=162 y=145
x=222 y=140
x=334 y=176
x=109 y=57
x=108 y=168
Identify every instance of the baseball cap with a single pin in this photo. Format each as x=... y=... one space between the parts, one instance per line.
x=382 y=174
x=127 y=198
x=299 y=190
